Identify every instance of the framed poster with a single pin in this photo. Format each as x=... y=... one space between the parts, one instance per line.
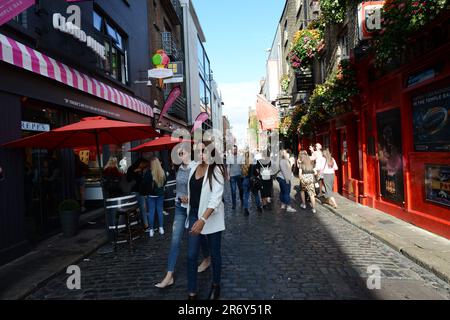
x=437 y=184
x=431 y=120
x=390 y=155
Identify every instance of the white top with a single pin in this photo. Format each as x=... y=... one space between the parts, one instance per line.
x=210 y=198
x=322 y=166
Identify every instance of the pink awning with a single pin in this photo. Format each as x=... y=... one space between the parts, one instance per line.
x=17 y=54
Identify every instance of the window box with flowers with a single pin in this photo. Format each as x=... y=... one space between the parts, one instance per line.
x=306 y=46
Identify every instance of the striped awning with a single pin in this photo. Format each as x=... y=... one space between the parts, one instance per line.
x=17 y=54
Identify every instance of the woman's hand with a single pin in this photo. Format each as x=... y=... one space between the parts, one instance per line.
x=184 y=199
x=197 y=228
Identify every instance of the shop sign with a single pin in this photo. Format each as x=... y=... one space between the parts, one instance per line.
x=437 y=184
x=390 y=155
x=34 y=126
x=11 y=8
x=369 y=18
x=72 y=26
x=431 y=121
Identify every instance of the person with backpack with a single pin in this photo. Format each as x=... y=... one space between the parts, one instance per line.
x=153 y=182
x=251 y=183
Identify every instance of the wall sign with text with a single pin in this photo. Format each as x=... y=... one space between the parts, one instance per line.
x=369 y=18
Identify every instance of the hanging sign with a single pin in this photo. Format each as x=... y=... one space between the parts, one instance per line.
x=369 y=18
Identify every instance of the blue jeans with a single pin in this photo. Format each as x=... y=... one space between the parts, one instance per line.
x=236 y=181
x=214 y=244
x=247 y=191
x=140 y=200
x=155 y=204
x=285 y=191
x=177 y=235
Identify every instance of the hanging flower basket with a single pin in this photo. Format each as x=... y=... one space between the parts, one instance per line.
x=306 y=46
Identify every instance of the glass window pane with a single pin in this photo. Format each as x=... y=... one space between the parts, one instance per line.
x=97 y=21
x=119 y=40
x=111 y=32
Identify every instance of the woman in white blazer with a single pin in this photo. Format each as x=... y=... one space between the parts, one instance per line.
x=205 y=216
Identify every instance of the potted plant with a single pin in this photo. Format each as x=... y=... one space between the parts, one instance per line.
x=69 y=214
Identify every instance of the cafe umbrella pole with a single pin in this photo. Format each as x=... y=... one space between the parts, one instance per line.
x=107 y=248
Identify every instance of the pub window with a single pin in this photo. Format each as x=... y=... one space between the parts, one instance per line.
x=116 y=63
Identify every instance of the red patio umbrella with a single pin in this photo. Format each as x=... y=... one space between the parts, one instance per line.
x=163 y=143
x=91 y=131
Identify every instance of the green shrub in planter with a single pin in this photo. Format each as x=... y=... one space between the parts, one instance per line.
x=69 y=214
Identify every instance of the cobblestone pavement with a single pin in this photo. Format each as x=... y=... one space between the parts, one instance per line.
x=273 y=255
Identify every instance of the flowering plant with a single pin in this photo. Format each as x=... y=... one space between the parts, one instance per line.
x=333 y=11
x=285 y=81
x=306 y=45
x=400 y=19
x=331 y=98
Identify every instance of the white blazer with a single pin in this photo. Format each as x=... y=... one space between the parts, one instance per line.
x=210 y=198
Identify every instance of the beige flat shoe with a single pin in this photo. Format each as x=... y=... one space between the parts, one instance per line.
x=163 y=284
x=203 y=266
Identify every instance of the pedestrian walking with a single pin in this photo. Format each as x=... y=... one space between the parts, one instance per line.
x=317 y=161
x=205 y=216
x=306 y=174
x=329 y=169
x=251 y=183
x=284 y=178
x=235 y=176
x=153 y=182
x=134 y=178
x=264 y=168
x=181 y=205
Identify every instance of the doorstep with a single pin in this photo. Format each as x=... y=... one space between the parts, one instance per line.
x=23 y=276
x=424 y=248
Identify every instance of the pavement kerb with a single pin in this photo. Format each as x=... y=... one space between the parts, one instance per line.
x=404 y=250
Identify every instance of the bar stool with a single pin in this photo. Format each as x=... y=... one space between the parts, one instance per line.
x=124 y=217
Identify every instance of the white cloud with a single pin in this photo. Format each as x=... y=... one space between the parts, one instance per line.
x=238 y=97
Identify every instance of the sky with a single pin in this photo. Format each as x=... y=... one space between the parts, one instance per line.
x=238 y=33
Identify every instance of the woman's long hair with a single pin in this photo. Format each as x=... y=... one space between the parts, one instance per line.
x=112 y=163
x=306 y=164
x=327 y=154
x=157 y=172
x=212 y=167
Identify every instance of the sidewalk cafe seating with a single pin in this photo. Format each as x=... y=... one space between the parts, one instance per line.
x=124 y=220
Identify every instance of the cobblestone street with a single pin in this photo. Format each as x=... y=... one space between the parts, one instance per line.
x=273 y=255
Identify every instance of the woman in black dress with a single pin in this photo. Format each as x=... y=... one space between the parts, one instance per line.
x=264 y=166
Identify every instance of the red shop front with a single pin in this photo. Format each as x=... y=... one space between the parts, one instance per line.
x=404 y=141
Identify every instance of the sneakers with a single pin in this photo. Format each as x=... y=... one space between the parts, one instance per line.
x=303 y=206
x=290 y=209
x=161 y=231
x=151 y=233
x=313 y=210
x=283 y=207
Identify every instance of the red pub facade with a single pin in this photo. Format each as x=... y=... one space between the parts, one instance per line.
x=393 y=148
